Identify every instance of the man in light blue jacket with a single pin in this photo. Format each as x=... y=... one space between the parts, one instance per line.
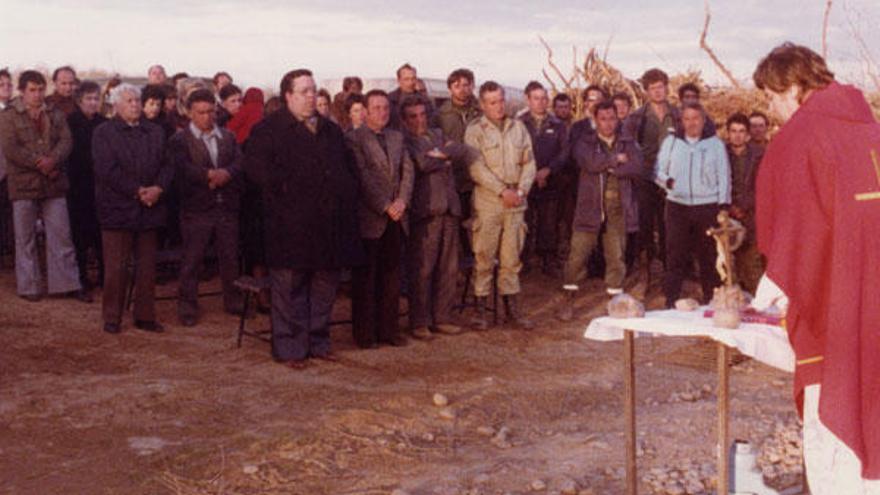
x=695 y=173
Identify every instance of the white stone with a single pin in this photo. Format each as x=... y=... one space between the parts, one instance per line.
x=538 y=485
x=250 y=469
x=440 y=400
x=486 y=431
x=447 y=413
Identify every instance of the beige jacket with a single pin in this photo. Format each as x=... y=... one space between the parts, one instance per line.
x=502 y=158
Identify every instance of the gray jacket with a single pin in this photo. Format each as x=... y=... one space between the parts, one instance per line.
x=434 y=190
x=383 y=178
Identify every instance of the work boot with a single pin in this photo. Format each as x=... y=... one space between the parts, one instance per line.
x=514 y=315
x=480 y=322
x=422 y=333
x=566 y=313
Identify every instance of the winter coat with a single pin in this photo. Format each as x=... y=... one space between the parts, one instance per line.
x=127 y=158
x=310 y=193
x=596 y=163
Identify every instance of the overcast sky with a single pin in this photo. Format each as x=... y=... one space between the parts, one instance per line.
x=258 y=40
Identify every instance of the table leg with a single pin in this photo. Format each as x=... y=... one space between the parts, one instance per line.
x=629 y=412
x=723 y=426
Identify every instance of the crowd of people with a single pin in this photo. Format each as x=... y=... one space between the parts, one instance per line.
x=397 y=191
x=388 y=186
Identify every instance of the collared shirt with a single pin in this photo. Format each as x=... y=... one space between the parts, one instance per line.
x=210 y=138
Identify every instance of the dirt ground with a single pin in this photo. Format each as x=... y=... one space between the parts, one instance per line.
x=186 y=412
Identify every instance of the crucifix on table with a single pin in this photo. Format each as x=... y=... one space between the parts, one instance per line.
x=729 y=236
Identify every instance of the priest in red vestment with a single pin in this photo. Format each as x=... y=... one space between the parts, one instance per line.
x=818 y=224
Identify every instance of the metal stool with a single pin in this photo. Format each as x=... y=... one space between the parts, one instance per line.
x=251 y=286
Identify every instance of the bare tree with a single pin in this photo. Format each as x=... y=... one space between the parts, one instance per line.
x=825 y=29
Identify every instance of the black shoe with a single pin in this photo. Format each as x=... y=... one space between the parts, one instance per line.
x=397 y=341
x=81 y=295
x=149 y=326
x=32 y=297
x=112 y=327
x=188 y=321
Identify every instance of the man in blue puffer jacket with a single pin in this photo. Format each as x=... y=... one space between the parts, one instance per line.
x=695 y=173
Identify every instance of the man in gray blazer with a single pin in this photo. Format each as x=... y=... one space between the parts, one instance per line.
x=432 y=252
x=386 y=184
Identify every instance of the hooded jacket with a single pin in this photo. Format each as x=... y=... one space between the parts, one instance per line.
x=818 y=220
x=700 y=170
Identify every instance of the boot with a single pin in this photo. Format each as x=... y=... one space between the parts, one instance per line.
x=480 y=322
x=566 y=313
x=514 y=315
x=550 y=268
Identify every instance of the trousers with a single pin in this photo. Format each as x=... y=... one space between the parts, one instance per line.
x=498 y=234
x=376 y=289
x=613 y=246
x=119 y=245
x=433 y=268
x=686 y=239
x=62 y=271
x=302 y=301
x=197 y=230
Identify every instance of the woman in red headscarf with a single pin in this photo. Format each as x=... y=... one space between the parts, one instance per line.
x=251 y=230
x=250 y=113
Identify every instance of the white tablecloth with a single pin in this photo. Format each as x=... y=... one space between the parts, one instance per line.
x=765 y=343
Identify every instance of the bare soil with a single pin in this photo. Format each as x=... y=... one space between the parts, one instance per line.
x=187 y=412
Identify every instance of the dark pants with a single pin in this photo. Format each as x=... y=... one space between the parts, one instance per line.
x=686 y=238
x=119 y=245
x=467 y=207
x=541 y=217
x=565 y=213
x=433 y=268
x=197 y=228
x=376 y=289
x=651 y=205
x=301 y=305
x=85 y=233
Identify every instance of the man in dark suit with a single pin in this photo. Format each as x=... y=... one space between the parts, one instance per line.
x=386 y=176
x=207 y=162
x=435 y=219
x=310 y=193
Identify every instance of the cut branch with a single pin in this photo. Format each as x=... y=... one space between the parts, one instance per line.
x=825 y=28
x=705 y=47
x=547 y=77
x=565 y=80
